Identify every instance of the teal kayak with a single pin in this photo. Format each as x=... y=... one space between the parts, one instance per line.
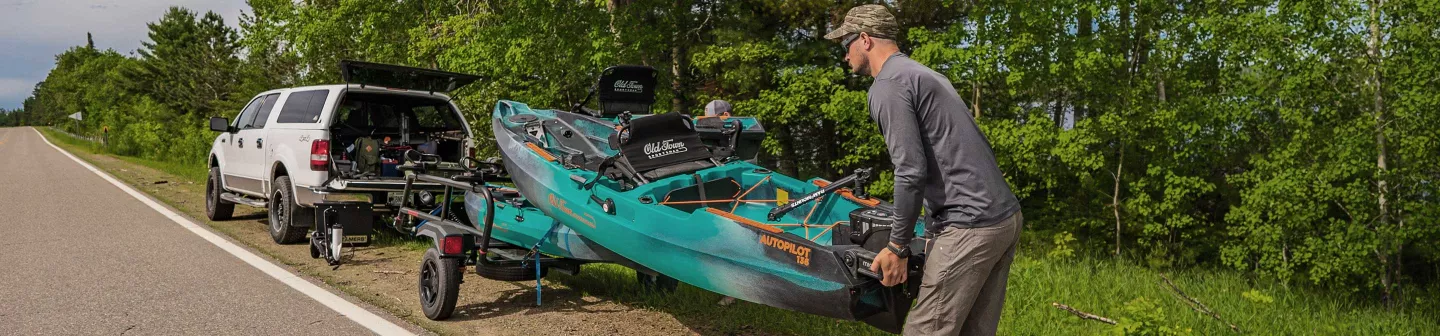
x=650 y=190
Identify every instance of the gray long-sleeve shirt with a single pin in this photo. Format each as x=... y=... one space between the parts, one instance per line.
x=939 y=154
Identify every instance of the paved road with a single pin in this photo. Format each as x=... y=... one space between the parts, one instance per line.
x=80 y=256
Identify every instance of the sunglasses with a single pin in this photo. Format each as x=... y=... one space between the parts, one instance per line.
x=848 y=40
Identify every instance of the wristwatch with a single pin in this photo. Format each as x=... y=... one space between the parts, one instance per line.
x=901 y=251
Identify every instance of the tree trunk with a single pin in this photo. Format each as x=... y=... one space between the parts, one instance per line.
x=677 y=80
x=976 y=102
x=1115 y=199
x=678 y=54
x=1058 y=111
x=1160 y=87
x=1386 y=280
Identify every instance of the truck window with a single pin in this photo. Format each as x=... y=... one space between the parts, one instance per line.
x=247 y=115
x=303 y=107
x=266 y=104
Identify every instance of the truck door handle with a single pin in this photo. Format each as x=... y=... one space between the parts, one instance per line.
x=259 y=143
x=241 y=142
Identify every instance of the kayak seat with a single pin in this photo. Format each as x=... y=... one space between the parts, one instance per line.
x=664 y=145
x=626 y=88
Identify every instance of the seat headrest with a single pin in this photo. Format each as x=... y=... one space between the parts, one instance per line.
x=662 y=140
x=626 y=88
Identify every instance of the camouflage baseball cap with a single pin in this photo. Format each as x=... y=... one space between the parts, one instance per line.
x=874 y=20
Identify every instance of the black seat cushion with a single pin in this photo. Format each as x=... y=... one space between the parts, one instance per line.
x=661 y=141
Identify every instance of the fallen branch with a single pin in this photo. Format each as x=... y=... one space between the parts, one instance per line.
x=1196 y=305
x=389 y=272
x=1081 y=314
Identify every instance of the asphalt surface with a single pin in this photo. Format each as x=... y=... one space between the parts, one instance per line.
x=80 y=256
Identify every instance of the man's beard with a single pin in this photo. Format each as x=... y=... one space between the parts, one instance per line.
x=863 y=69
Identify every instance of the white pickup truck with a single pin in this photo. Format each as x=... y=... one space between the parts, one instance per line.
x=292 y=148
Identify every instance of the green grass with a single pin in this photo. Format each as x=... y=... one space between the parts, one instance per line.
x=1131 y=294
x=190 y=172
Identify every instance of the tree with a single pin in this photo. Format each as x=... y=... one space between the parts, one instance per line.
x=189 y=65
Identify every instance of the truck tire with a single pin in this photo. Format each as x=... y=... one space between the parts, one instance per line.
x=439 y=284
x=216 y=209
x=289 y=222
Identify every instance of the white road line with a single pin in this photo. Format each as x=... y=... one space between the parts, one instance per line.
x=364 y=317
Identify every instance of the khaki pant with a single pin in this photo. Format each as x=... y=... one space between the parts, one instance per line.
x=963 y=290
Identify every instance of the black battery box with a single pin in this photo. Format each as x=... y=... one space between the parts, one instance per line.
x=357 y=219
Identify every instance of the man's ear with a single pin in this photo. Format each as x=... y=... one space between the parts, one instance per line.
x=869 y=44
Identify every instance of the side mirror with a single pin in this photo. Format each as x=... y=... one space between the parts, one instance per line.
x=219 y=124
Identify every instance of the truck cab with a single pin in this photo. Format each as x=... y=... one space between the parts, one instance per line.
x=290 y=149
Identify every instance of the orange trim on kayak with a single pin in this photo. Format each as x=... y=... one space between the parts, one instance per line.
x=848 y=194
x=541 y=152
x=747 y=192
x=697 y=202
x=743 y=220
x=822 y=233
x=816 y=205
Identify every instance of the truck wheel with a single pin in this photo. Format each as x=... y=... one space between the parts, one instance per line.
x=288 y=221
x=216 y=209
x=439 y=284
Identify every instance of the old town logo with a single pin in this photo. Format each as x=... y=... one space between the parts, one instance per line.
x=663 y=148
x=629 y=86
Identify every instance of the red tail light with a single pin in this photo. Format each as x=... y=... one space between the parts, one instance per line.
x=452 y=244
x=319 y=155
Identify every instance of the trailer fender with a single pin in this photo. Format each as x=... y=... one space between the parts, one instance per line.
x=437 y=231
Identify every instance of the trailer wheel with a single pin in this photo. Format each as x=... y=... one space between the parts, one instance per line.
x=658 y=284
x=439 y=284
x=216 y=209
x=288 y=221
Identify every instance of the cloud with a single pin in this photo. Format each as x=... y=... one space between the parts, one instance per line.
x=32 y=32
x=120 y=25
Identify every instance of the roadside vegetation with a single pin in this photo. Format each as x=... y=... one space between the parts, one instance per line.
x=1275 y=158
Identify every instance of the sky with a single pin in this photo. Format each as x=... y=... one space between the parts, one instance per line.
x=32 y=32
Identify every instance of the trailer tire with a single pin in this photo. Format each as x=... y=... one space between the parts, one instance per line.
x=510 y=273
x=216 y=209
x=288 y=221
x=439 y=284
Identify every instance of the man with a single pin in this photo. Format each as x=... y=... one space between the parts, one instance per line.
x=717 y=108
x=942 y=159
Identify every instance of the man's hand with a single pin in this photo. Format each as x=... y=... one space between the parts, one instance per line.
x=891 y=268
